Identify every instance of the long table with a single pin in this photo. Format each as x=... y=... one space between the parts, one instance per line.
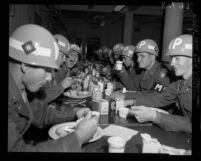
x=180 y=140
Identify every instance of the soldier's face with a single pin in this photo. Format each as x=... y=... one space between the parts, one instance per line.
x=61 y=59
x=72 y=59
x=127 y=61
x=144 y=60
x=35 y=78
x=117 y=54
x=182 y=66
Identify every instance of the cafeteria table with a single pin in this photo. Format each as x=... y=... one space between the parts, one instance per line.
x=180 y=140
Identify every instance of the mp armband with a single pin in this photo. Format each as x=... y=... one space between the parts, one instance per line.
x=158 y=87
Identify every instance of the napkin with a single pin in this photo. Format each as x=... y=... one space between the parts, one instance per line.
x=152 y=145
x=172 y=151
x=114 y=130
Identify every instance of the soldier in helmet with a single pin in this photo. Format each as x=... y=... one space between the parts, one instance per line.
x=155 y=76
x=180 y=51
x=73 y=59
x=33 y=52
x=53 y=88
x=64 y=48
x=128 y=71
x=117 y=49
x=107 y=63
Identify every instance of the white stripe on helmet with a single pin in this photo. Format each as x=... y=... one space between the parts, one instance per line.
x=40 y=51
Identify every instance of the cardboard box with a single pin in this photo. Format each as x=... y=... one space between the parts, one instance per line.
x=101 y=106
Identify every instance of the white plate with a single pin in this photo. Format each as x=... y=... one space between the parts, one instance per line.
x=77 y=96
x=53 y=135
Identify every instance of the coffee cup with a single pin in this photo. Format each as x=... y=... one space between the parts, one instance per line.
x=116 y=144
x=123 y=112
x=119 y=65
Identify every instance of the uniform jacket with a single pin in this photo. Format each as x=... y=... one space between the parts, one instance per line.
x=20 y=116
x=155 y=79
x=45 y=114
x=127 y=79
x=180 y=92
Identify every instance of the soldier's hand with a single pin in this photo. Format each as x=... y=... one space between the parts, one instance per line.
x=67 y=82
x=143 y=113
x=82 y=112
x=87 y=128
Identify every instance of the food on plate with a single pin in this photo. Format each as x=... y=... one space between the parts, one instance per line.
x=82 y=93
x=76 y=86
x=63 y=131
x=73 y=92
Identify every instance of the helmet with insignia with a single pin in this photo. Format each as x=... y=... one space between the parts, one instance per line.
x=180 y=46
x=34 y=45
x=128 y=51
x=147 y=46
x=76 y=48
x=63 y=43
x=118 y=48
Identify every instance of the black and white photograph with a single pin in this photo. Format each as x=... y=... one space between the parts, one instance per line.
x=103 y=79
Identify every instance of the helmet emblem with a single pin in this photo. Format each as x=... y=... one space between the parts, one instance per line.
x=28 y=47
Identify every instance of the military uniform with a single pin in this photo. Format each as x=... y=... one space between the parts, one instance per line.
x=155 y=79
x=180 y=91
x=127 y=79
x=21 y=115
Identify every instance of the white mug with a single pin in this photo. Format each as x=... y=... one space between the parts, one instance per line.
x=123 y=112
x=116 y=144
